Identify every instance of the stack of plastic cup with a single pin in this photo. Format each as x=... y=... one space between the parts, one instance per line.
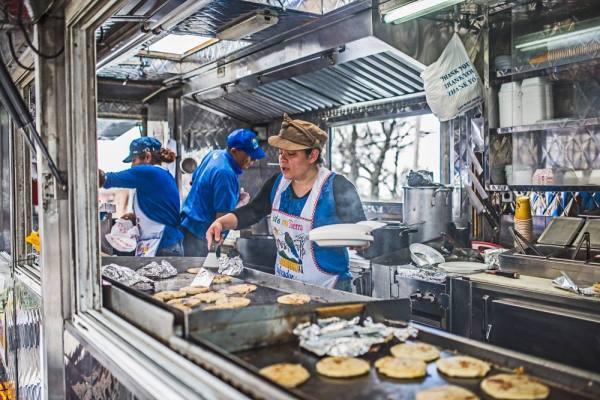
x=523 y=220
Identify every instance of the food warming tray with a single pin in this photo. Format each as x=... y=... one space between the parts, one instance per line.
x=561 y=231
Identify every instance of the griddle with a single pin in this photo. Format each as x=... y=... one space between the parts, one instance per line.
x=152 y=315
x=370 y=386
x=238 y=342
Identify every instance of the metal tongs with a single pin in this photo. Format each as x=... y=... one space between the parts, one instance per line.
x=519 y=240
x=585 y=238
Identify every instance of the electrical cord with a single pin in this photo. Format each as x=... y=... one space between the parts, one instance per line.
x=14 y=53
x=28 y=40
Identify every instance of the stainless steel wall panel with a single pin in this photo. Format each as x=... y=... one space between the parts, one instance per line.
x=233 y=109
x=367 y=93
x=87 y=378
x=393 y=61
x=288 y=98
x=320 y=100
x=293 y=107
x=388 y=80
x=23 y=331
x=5 y=182
x=392 y=74
x=316 y=83
x=257 y=104
x=365 y=79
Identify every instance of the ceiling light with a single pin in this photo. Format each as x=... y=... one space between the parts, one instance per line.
x=397 y=12
x=249 y=26
x=565 y=39
x=180 y=44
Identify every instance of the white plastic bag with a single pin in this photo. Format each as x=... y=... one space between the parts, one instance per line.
x=123 y=236
x=452 y=85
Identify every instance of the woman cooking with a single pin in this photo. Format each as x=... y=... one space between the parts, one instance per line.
x=303 y=196
x=156 y=200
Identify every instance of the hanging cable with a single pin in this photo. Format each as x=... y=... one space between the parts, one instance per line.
x=14 y=53
x=28 y=40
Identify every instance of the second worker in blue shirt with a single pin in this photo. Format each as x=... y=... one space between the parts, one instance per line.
x=216 y=189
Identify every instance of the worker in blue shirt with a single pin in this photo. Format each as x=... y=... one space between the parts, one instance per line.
x=216 y=189
x=156 y=202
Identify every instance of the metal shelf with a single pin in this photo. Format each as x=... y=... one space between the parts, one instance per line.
x=541 y=188
x=549 y=125
x=550 y=67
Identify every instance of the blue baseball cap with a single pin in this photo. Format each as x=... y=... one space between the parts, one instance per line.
x=142 y=145
x=245 y=139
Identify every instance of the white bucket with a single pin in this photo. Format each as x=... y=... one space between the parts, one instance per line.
x=549 y=101
x=534 y=99
x=509 y=104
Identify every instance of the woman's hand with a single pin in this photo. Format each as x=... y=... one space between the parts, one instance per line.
x=214 y=232
x=223 y=223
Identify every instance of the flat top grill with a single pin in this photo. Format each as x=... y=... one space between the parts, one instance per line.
x=257 y=344
x=261 y=296
x=372 y=385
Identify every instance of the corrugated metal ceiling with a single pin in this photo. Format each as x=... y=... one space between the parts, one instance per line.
x=206 y=22
x=214 y=17
x=375 y=77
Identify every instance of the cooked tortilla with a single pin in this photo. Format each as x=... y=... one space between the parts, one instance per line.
x=342 y=367
x=229 y=302
x=447 y=392
x=219 y=279
x=242 y=288
x=186 y=301
x=194 y=270
x=169 y=295
x=209 y=297
x=401 y=368
x=514 y=387
x=419 y=350
x=294 y=298
x=192 y=290
x=463 y=367
x=288 y=375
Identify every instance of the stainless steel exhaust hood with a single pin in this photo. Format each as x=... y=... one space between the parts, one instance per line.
x=348 y=59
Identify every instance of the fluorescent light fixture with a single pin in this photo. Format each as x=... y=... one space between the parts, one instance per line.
x=249 y=26
x=397 y=12
x=180 y=44
x=564 y=37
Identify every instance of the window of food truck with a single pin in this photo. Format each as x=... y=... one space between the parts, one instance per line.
x=114 y=137
x=376 y=156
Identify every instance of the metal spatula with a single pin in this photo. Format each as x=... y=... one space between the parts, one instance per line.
x=212 y=258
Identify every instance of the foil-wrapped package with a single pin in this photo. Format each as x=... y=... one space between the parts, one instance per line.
x=127 y=276
x=429 y=275
x=340 y=337
x=566 y=283
x=156 y=271
x=492 y=257
x=230 y=266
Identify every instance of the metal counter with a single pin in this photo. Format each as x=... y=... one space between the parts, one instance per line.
x=522 y=316
x=235 y=344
